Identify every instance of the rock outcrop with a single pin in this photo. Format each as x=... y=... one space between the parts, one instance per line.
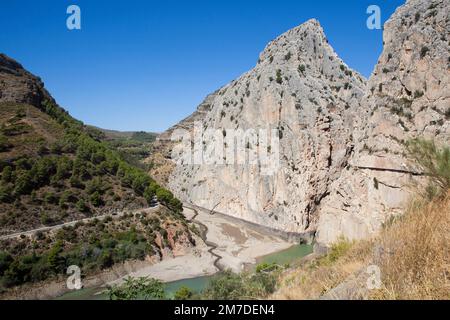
x=20 y=86
x=343 y=169
x=408 y=96
x=301 y=88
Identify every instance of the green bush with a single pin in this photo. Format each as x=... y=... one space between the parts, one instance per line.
x=81 y=206
x=244 y=286
x=424 y=51
x=4 y=144
x=7 y=174
x=301 y=68
x=338 y=249
x=46 y=219
x=6 y=194
x=279 y=78
x=447 y=113
x=184 y=293
x=96 y=199
x=5 y=261
x=138 y=289
x=288 y=56
x=432 y=161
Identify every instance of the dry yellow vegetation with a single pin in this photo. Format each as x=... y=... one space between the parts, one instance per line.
x=412 y=252
x=417 y=260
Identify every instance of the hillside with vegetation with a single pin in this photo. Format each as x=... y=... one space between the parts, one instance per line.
x=134 y=146
x=55 y=170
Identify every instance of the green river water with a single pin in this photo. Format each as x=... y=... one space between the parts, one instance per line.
x=283 y=257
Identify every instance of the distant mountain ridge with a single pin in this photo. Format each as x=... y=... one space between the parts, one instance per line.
x=142 y=136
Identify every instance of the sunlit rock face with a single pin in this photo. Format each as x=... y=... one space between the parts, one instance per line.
x=408 y=96
x=342 y=164
x=301 y=89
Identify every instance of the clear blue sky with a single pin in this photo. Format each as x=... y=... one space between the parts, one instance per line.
x=144 y=65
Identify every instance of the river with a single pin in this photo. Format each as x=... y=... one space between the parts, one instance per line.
x=197 y=284
x=224 y=243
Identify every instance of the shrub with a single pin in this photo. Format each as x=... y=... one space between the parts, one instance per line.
x=7 y=174
x=231 y=286
x=279 y=77
x=76 y=182
x=338 y=249
x=50 y=198
x=46 y=219
x=5 y=261
x=301 y=68
x=4 y=144
x=24 y=183
x=184 y=293
x=434 y=162
x=138 y=289
x=6 y=194
x=375 y=183
x=54 y=258
x=418 y=94
x=424 y=51
x=96 y=199
x=81 y=206
x=417 y=17
x=288 y=56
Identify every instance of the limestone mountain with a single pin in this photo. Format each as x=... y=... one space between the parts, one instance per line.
x=301 y=88
x=408 y=96
x=344 y=170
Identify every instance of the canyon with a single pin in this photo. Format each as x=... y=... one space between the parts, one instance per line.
x=343 y=164
x=77 y=194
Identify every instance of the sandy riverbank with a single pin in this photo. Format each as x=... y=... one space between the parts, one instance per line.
x=237 y=244
x=195 y=263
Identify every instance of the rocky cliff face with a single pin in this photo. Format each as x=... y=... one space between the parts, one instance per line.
x=301 y=88
x=19 y=86
x=408 y=96
x=343 y=170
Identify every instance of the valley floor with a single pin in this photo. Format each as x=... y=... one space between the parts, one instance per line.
x=235 y=243
x=230 y=244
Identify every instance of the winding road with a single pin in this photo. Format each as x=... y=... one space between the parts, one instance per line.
x=71 y=223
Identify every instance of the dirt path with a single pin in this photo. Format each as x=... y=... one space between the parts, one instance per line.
x=70 y=224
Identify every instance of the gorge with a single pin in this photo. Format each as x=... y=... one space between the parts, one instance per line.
x=343 y=166
x=128 y=204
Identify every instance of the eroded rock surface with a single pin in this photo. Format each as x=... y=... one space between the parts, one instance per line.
x=343 y=169
x=301 y=88
x=408 y=96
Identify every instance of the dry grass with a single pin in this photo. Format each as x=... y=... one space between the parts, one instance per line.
x=415 y=263
x=320 y=275
x=412 y=253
